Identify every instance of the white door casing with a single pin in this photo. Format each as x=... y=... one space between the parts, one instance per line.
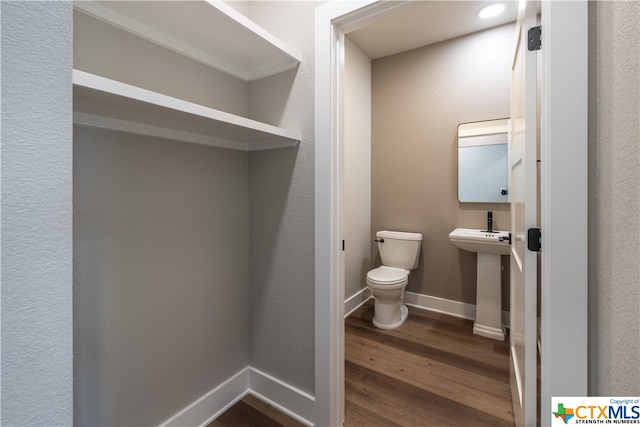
x=332 y=21
x=564 y=196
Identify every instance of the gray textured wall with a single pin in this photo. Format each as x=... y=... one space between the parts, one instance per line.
x=282 y=210
x=614 y=198
x=419 y=98
x=36 y=211
x=160 y=274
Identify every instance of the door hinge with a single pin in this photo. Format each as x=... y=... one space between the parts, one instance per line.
x=534 y=37
x=343 y=245
x=534 y=239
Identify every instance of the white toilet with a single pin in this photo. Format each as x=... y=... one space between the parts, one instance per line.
x=399 y=252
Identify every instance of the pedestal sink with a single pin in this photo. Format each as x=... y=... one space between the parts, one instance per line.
x=489 y=246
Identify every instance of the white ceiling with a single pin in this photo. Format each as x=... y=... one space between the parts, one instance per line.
x=419 y=23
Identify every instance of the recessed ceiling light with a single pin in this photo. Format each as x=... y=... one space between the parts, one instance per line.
x=491 y=10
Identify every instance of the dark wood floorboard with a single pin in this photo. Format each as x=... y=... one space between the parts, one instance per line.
x=432 y=371
x=250 y=412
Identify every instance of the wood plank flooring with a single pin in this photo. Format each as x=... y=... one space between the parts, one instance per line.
x=250 y=412
x=432 y=371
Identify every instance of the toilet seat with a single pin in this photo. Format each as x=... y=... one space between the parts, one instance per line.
x=387 y=276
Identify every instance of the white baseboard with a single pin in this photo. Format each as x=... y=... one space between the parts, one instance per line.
x=426 y=302
x=447 y=306
x=441 y=305
x=356 y=300
x=212 y=404
x=295 y=403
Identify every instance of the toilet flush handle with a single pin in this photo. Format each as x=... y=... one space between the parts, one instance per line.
x=379 y=240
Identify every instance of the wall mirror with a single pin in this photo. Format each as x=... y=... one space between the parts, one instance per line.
x=483 y=162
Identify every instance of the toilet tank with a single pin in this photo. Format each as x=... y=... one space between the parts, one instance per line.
x=399 y=249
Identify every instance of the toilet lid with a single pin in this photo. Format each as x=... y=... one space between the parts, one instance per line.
x=387 y=275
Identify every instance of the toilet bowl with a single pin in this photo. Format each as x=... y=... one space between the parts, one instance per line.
x=399 y=252
x=387 y=286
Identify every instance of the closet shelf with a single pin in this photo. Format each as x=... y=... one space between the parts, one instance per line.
x=208 y=31
x=105 y=103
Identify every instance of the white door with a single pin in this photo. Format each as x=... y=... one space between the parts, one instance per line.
x=522 y=164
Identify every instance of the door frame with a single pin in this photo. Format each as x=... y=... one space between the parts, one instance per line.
x=564 y=201
x=563 y=186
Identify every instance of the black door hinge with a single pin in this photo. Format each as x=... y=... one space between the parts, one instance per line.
x=534 y=237
x=343 y=245
x=534 y=38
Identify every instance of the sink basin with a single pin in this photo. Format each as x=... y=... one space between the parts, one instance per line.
x=480 y=241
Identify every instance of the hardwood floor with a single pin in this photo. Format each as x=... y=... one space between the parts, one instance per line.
x=250 y=412
x=432 y=371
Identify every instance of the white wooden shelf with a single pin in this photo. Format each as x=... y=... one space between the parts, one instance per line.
x=208 y=31
x=105 y=103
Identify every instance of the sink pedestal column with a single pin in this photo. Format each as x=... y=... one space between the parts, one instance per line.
x=488 y=321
